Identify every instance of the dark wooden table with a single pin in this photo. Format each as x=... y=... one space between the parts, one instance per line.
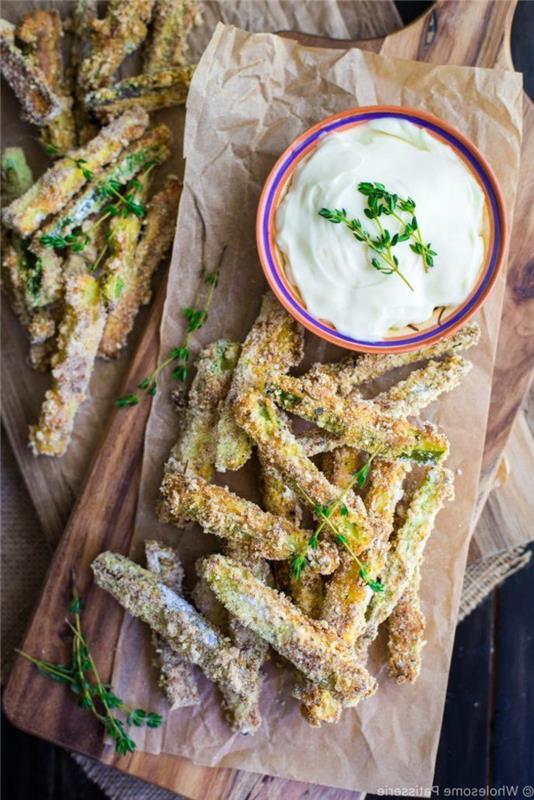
x=488 y=731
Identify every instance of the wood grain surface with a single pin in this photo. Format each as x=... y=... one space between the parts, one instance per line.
x=103 y=515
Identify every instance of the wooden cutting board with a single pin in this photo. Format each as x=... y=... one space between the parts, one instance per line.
x=454 y=32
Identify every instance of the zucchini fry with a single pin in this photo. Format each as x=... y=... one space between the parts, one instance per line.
x=84 y=13
x=123 y=233
x=230 y=517
x=41 y=33
x=339 y=465
x=187 y=632
x=423 y=386
x=167 y=45
x=16 y=174
x=406 y=629
x=114 y=37
x=40 y=103
x=72 y=364
x=274 y=343
x=156 y=239
x=278 y=447
x=40 y=325
x=347 y=595
x=407 y=548
x=344 y=376
x=66 y=176
x=16 y=179
x=194 y=452
x=278 y=498
x=309 y=645
x=44 y=279
x=208 y=605
x=255 y=649
x=176 y=674
x=362 y=424
x=162 y=89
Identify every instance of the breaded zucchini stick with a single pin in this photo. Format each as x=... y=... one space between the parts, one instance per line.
x=16 y=179
x=177 y=678
x=274 y=343
x=310 y=646
x=40 y=103
x=162 y=89
x=208 y=605
x=72 y=364
x=230 y=517
x=423 y=386
x=40 y=325
x=41 y=33
x=407 y=547
x=347 y=595
x=281 y=500
x=187 y=632
x=255 y=649
x=194 y=452
x=406 y=630
x=167 y=45
x=361 y=424
x=66 y=176
x=156 y=238
x=123 y=234
x=278 y=498
x=339 y=465
x=84 y=13
x=44 y=280
x=114 y=37
x=346 y=375
x=16 y=174
x=258 y=416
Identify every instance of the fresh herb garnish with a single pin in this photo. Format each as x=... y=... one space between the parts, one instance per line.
x=380 y=203
x=83 y=679
x=196 y=317
x=123 y=206
x=390 y=204
x=325 y=512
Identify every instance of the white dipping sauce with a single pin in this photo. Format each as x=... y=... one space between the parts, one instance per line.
x=333 y=271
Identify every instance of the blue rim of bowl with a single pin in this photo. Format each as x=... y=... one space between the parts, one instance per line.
x=493 y=264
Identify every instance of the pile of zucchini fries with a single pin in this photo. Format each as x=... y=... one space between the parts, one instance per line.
x=80 y=244
x=336 y=549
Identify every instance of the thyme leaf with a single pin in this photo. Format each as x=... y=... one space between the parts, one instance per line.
x=83 y=679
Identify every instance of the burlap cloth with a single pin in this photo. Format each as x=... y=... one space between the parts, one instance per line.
x=25 y=557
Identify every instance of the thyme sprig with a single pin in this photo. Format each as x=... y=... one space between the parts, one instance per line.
x=325 y=512
x=196 y=319
x=124 y=205
x=382 y=244
x=83 y=679
x=380 y=203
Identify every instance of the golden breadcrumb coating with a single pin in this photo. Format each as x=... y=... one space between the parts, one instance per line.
x=187 y=632
x=275 y=343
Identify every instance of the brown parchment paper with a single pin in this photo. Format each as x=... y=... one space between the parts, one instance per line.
x=54 y=483
x=251 y=95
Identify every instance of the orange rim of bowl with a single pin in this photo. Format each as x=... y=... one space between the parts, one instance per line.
x=280 y=176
